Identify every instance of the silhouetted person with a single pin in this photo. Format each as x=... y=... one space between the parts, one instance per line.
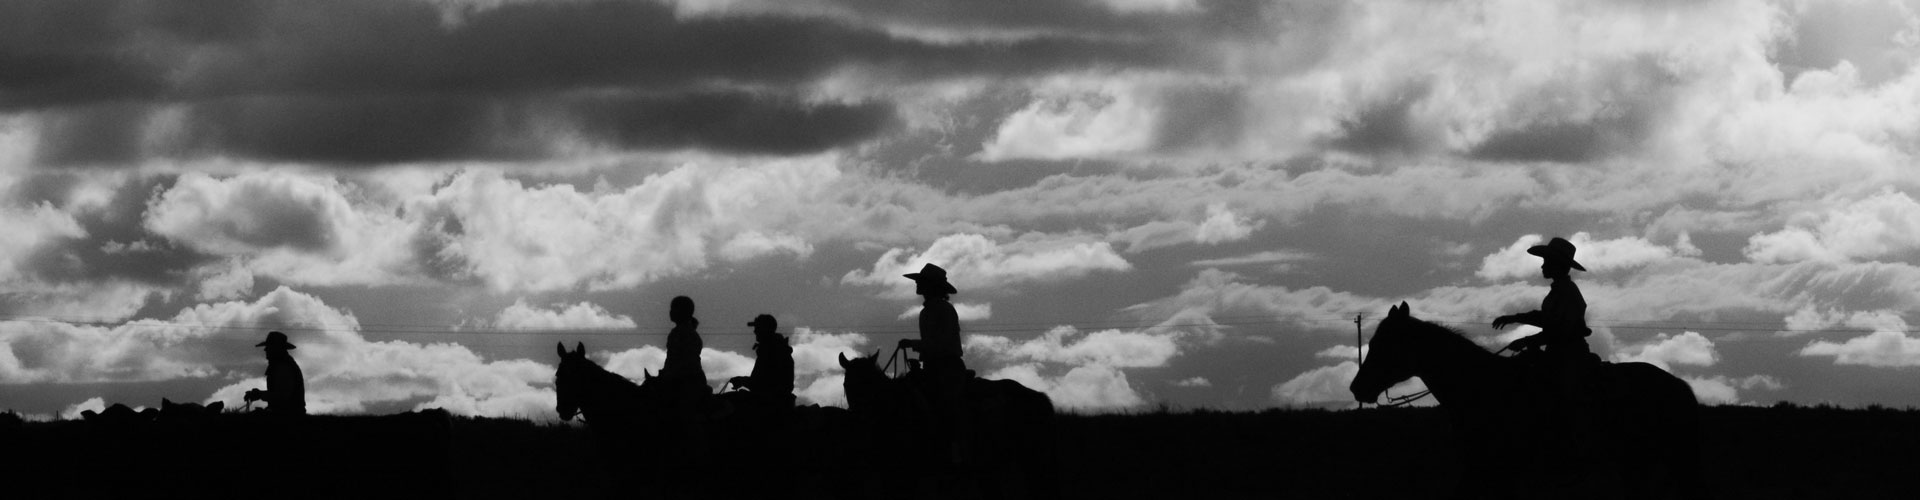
x=1559 y=351
x=683 y=346
x=286 y=391
x=772 y=379
x=684 y=374
x=941 y=373
x=939 y=342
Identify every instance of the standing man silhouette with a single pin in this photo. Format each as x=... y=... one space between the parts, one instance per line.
x=286 y=392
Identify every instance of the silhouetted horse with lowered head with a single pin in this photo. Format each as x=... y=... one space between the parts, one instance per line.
x=634 y=426
x=1009 y=453
x=1643 y=443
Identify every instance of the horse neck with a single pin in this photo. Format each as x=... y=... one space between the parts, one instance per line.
x=611 y=394
x=1457 y=370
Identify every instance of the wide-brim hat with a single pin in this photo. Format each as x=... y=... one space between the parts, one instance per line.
x=764 y=319
x=276 y=339
x=932 y=274
x=1557 y=249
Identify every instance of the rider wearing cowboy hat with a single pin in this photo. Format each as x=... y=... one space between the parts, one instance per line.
x=286 y=391
x=1560 y=370
x=1562 y=316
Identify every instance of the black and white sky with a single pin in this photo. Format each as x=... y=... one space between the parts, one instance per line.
x=1141 y=201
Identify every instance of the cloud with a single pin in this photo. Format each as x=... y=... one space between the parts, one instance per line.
x=434 y=82
x=1665 y=351
x=584 y=315
x=1722 y=390
x=73 y=412
x=977 y=263
x=1280 y=260
x=1220 y=225
x=1213 y=292
x=966 y=311
x=1884 y=348
x=1193 y=382
x=1882 y=225
x=1329 y=386
x=1596 y=255
x=344 y=372
x=1088 y=364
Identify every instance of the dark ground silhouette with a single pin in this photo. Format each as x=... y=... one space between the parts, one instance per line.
x=1749 y=453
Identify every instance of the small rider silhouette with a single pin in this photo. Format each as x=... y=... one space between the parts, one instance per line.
x=286 y=391
x=771 y=382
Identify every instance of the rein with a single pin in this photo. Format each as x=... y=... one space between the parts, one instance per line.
x=1399 y=401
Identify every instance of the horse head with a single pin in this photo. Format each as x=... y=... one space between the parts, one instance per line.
x=1389 y=356
x=569 y=378
x=864 y=379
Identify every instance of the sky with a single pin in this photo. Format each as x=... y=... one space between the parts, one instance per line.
x=1142 y=202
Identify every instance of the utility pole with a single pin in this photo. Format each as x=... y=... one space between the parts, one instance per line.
x=1359 y=350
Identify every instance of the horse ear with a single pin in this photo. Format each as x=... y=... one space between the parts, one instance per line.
x=561 y=347
x=580 y=349
x=843 y=360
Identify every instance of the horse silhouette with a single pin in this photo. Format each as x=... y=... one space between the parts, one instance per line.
x=1644 y=442
x=1010 y=452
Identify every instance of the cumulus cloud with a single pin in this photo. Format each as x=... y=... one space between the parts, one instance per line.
x=1596 y=255
x=977 y=263
x=344 y=371
x=1329 y=386
x=1215 y=292
x=584 y=315
x=1889 y=346
x=1722 y=390
x=1088 y=364
x=1193 y=382
x=966 y=311
x=1220 y=225
x=1665 y=351
x=1885 y=224
x=73 y=411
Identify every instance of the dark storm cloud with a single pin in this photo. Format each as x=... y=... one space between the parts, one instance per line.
x=1385 y=127
x=116 y=246
x=1202 y=117
x=1234 y=18
x=730 y=121
x=367 y=82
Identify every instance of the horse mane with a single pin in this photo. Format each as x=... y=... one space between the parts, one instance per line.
x=1448 y=335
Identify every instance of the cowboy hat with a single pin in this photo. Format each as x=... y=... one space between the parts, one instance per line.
x=276 y=339
x=932 y=274
x=1557 y=249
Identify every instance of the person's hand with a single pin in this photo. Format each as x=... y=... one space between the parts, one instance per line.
x=1501 y=323
x=738 y=382
x=909 y=343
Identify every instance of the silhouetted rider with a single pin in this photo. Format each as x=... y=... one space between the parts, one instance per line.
x=942 y=375
x=1562 y=355
x=939 y=342
x=286 y=392
x=771 y=381
x=1562 y=316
